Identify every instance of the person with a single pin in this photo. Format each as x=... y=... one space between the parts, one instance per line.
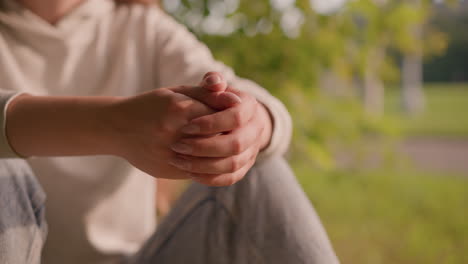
x=96 y=97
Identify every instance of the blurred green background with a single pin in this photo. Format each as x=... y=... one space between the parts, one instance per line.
x=378 y=90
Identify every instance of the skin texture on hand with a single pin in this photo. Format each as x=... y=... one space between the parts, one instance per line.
x=152 y=123
x=211 y=133
x=139 y=129
x=215 y=148
x=224 y=145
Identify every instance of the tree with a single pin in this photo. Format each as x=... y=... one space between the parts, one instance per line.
x=290 y=48
x=452 y=65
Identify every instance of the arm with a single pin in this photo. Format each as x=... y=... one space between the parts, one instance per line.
x=61 y=126
x=139 y=129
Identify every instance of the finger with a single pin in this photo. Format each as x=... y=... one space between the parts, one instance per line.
x=188 y=107
x=223 y=179
x=214 y=82
x=214 y=165
x=223 y=121
x=215 y=100
x=223 y=145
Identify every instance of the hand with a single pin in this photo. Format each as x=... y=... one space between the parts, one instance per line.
x=149 y=123
x=139 y=129
x=224 y=145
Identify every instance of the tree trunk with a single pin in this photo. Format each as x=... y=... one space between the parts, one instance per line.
x=373 y=95
x=373 y=89
x=413 y=99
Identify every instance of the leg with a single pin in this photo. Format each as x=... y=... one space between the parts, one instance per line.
x=167 y=193
x=22 y=224
x=265 y=218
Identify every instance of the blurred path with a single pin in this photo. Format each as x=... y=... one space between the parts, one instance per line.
x=441 y=154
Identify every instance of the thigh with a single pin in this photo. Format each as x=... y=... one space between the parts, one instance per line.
x=22 y=224
x=265 y=218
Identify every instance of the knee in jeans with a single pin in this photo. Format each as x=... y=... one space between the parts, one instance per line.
x=273 y=169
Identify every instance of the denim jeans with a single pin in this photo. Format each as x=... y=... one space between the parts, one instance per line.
x=22 y=224
x=265 y=218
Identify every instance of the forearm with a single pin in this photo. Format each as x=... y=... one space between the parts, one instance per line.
x=61 y=126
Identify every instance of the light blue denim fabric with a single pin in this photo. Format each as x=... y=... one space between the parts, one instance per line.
x=264 y=219
x=22 y=224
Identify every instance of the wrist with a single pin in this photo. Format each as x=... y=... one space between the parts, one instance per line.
x=109 y=123
x=123 y=127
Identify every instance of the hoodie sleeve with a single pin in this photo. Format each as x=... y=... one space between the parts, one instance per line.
x=6 y=151
x=182 y=59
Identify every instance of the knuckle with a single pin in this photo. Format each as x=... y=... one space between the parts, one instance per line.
x=235 y=164
x=222 y=181
x=213 y=182
x=237 y=118
x=206 y=124
x=195 y=166
x=171 y=99
x=164 y=128
x=229 y=181
x=177 y=106
x=237 y=146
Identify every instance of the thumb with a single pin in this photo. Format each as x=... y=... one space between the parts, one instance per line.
x=214 y=82
x=211 y=92
x=216 y=100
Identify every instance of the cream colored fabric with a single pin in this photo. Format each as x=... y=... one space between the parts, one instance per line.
x=100 y=208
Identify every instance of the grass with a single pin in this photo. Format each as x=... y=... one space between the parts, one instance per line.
x=391 y=216
x=445 y=116
x=399 y=215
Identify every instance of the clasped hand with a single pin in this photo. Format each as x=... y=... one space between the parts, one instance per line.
x=210 y=133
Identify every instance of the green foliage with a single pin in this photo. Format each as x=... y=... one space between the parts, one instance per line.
x=383 y=216
x=391 y=216
x=447 y=105
x=346 y=43
x=451 y=66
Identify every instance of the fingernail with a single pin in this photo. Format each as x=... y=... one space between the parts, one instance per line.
x=182 y=148
x=191 y=129
x=233 y=98
x=237 y=99
x=212 y=80
x=181 y=164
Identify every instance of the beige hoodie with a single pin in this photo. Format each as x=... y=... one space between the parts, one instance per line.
x=101 y=208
